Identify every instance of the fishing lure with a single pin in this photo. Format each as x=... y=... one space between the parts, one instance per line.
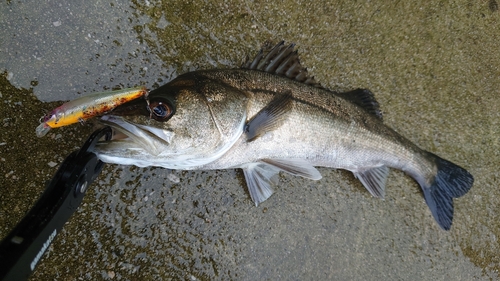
x=86 y=107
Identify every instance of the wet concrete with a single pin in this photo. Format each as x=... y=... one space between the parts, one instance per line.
x=433 y=67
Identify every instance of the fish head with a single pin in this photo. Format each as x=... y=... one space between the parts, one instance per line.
x=184 y=124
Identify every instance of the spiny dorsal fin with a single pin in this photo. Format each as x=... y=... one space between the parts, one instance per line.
x=284 y=61
x=281 y=60
x=363 y=98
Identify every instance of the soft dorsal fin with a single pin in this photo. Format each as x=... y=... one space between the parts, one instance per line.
x=281 y=60
x=363 y=98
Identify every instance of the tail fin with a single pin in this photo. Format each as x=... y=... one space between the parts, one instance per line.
x=451 y=181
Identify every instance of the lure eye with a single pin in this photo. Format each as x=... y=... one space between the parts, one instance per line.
x=160 y=111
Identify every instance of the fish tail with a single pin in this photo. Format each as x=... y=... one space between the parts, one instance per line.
x=450 y=181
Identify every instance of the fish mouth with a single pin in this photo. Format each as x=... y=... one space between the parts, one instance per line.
x=145 y=146
x=128 y=135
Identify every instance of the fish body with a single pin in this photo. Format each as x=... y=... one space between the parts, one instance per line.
x=270 y=116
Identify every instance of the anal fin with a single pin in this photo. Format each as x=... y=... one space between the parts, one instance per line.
x=374 y=180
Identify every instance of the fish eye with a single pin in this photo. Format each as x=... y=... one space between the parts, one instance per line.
x=160 y=110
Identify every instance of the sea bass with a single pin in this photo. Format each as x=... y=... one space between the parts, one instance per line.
x=270 y=116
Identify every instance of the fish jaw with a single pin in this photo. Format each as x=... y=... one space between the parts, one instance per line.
x=146 y=146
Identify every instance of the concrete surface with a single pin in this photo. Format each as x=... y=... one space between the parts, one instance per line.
x=433 y=65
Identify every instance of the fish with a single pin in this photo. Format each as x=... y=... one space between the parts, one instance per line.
x=86 y=107
x=270 y=116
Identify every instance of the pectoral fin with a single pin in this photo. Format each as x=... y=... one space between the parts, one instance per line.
x=270 y=117
x=374 y=180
